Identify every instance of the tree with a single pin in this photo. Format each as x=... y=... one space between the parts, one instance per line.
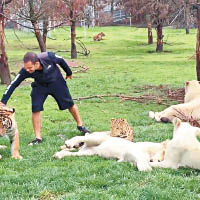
x=186 y=5
x=40 y=12
x=158 y=12
x=4 y=69
x=135 y=9
x=95 y=12
x=197 y=6
x=74 y=10
x=187 y=16
x=37 y=13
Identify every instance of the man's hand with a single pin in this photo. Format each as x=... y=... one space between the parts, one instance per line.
x=69 y=77
x=2 y=104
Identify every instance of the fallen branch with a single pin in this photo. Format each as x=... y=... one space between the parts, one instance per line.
x=70 y=51
x=187 y=118
x=76 y=64
x=140 y=99
x=97 y=96
x=84 y=51
x=84 y=69
x=164 y=97
x=192 y=57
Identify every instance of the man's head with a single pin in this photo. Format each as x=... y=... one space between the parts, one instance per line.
x=31 y=62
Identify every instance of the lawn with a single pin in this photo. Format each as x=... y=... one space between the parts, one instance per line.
x=118 y=64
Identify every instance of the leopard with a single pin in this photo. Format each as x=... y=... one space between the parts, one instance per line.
x=121 y=128
x=8 y=127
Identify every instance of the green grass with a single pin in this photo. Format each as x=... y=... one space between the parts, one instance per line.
x=118 y=64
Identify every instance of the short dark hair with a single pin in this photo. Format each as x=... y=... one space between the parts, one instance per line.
x=30 y=56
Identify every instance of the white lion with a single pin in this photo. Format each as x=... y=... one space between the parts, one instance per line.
x=184 y=149
x=102 y=144
x=190 y=108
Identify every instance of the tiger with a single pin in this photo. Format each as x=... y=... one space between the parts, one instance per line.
x=99 y=36
x=121 y=128
x=8 y=127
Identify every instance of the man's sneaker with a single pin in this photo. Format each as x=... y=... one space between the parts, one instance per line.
x=83 y=129
x=35 y=142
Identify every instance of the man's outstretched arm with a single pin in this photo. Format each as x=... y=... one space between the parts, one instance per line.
x=10 y=89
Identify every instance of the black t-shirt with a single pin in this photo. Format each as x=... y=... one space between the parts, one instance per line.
x=49 y=73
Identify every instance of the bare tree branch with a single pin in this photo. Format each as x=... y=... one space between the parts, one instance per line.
x=49 y=28
x=7 y=1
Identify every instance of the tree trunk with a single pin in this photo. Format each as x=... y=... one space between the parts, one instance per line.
x=112 y=8
x=187 y=18
x=45 y=31
x=4 y=69
x=150 y=35
x=198 y=45
x=73 y=33
x=73 y=40
x=35 y=25
x=159 y=47
x=39 y=37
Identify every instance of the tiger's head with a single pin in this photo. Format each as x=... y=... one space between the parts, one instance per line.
x=6 y=119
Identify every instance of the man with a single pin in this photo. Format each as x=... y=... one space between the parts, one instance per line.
x=48 y=80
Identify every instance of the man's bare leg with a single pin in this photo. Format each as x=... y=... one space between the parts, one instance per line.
x=75 y=113
x=36 y=120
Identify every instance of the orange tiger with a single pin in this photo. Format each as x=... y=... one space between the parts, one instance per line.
x=8 y=126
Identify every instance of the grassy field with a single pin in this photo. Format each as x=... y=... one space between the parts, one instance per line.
x=120 y=63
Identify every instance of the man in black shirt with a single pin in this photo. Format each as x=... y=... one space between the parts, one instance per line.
x=48 y=80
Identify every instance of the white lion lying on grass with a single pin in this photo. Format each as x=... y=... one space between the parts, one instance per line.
x=184 y=149
x=190 y=108
x=102 y=144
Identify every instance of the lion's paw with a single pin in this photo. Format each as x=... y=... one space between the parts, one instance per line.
x=61 y=154
x=58 y=155
x=72 y=143
x=151 y=114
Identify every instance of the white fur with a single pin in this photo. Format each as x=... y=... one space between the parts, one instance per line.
x=190 y=107
x=184 y=149
x=102 y=144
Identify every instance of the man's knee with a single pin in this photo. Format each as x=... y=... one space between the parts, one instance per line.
x=37 y=108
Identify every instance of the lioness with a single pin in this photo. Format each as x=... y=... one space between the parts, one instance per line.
x=190 y=107
x=184 y=149
x=99 y=36
x=8 y=126
x=102 y=144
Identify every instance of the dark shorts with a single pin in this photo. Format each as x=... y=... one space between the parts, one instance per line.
x=57 y=89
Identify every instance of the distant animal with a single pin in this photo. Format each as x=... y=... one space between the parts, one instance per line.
x=104 y=145
x=184 y=148
x=8 y=127
x=190 y=107
x=99 y=36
